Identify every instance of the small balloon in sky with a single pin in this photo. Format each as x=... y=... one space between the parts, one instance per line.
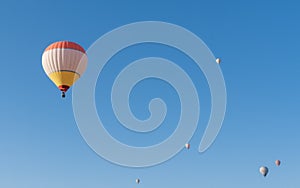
x=137 y=181
x=218 y=60
x=277 y=162
x=187 y=146
x=264 y=171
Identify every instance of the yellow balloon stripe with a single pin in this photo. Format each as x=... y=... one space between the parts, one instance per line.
x=64 y=78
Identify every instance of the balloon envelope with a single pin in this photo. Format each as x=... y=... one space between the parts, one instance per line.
x=218 y=60
x=277 y=162
x=187 y=146
x=264 y=171
x=137 y=181
x=64 y=62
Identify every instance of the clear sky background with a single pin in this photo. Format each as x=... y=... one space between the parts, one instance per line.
x=258 y=41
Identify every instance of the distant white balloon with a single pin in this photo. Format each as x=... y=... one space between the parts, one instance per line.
x=277 y=162
x=187 y=146
x=218 y=60
x=137 y=181
x=264 y=171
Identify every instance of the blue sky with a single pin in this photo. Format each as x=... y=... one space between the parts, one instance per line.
x=258 y=42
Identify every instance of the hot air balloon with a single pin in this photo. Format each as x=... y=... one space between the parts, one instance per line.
x=264 y=171
x=187 y=146
x=218 y=60
x=64 y=62
x=277 y=162
x=137 y=181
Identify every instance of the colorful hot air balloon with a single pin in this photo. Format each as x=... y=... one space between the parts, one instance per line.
x=218 y=60
x=277 y=162
x=187 y=146
x=264 y=171
x=137 y=181
x=64 y=62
